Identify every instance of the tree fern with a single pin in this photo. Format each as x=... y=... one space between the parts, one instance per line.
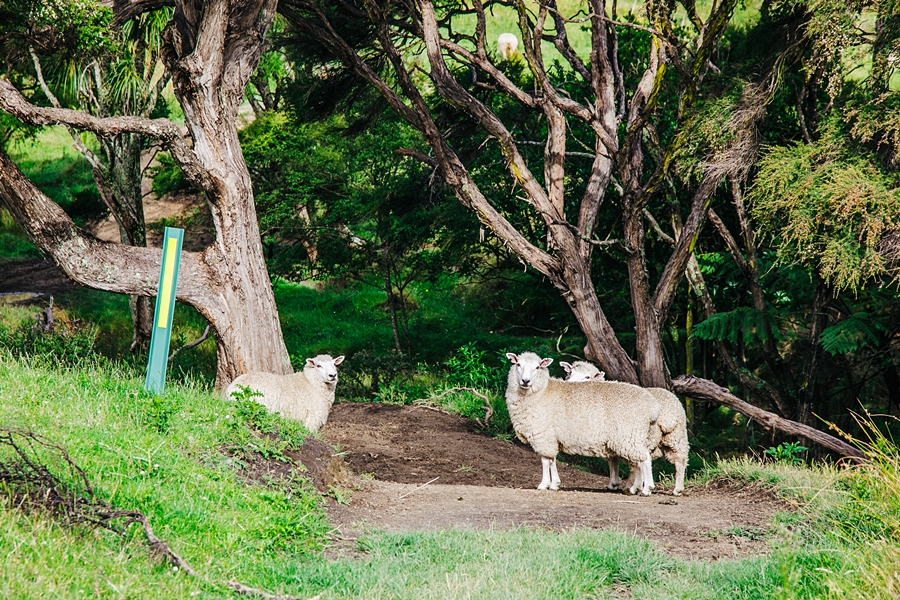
x=748 y=323
x=857 y=331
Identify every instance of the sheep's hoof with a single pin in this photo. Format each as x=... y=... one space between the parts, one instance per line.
x=677 y=492
x=612 y=486
x=554 y=486
x=543 y=486
x=645 y=493
x=632 y=490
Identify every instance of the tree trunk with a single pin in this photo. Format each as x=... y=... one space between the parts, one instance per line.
x=211 y=49
x=576 y=287
x=703 y=389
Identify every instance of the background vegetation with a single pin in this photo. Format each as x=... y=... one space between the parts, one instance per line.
x=371 y=257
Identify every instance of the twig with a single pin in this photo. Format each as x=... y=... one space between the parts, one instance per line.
x=418 y=488
x=488 y=408
x=196 y=342
x=240 y=588
x=34 y=485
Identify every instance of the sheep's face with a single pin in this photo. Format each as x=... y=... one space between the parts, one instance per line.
x=528 y=367
x=582 y=371
x=325 y=366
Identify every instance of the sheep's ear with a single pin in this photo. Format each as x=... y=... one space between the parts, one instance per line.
x=566 y=366
x=512 y=357
x=310 y=362
x=599 y=376
x=546 y=363
x=339 y=360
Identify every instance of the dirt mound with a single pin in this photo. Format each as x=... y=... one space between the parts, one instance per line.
x=408 y=444
x=320 y=464
x=424 y=469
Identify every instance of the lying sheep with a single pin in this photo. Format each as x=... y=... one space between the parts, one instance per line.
x=672 y=423
x=585 y=418
x=306 y=396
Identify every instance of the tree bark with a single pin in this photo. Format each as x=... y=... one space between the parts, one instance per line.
x=703 y=389
x=211 y=49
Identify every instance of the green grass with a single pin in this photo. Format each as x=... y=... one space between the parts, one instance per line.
x=51 y=162
x=13 y=240
x=163 y=456
x=178 y=459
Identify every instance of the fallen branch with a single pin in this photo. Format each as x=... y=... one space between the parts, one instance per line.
x=196 y=342
x=34 y=485
x=704 y=389
x=488 y=408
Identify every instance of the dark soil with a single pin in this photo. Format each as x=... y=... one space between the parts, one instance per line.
x=423 y=469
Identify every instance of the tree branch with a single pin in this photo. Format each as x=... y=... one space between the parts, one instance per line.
x=703 y=389
x=95 y=263
x=163 y=130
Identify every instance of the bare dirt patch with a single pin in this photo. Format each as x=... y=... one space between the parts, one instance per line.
x=485 y=483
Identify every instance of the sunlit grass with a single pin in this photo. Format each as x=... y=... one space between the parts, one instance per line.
x=51 y=162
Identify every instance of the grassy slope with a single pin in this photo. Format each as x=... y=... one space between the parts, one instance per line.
x=164 y=457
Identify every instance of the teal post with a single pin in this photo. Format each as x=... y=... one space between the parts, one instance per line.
x=165 y=308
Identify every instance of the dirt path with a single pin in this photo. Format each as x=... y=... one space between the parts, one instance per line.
x=484 y=483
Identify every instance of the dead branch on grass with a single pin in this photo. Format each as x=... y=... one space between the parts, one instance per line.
x=26 y=473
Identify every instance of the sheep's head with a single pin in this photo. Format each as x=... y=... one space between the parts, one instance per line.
x=582 y=371
x=325 y=367
x=529 y=368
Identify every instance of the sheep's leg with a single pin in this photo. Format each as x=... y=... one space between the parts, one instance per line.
x=635 y=478
x=546 y=480
x=644 y=479
x=554 y=476
x=679 y=477
x=614 y=481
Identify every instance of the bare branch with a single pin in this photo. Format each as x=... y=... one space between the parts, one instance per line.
x=163 y=130
x=190 y=345
x=703 y=389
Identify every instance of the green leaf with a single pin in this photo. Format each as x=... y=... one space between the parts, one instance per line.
x=747 y=322
x=857 y=331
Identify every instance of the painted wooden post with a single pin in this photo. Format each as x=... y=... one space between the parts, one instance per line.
x=165 y=309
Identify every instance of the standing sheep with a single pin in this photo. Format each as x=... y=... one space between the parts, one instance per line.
x=672 y=423
x=586 y=418
x=306 y=396
x=507 y=43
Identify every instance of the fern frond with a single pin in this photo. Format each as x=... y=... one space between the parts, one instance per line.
x=853 y=333
x=748 y=323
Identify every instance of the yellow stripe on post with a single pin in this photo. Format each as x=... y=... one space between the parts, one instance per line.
x=165 y=288
x=161 y=335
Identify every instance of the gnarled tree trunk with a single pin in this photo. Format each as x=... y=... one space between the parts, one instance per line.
x=211 y=49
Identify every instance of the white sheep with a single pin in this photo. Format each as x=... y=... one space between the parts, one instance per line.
x=672 y=423
x=507 y=44
x=305 y=396
x=582 y=371
x=553 y=415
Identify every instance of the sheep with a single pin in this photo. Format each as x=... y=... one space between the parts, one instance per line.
x=306 y=396
x=507 y=44
x=582 y=371
x=672 y=423
x=552 y=415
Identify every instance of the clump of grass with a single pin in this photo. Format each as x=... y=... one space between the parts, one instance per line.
x=868 y=523
x=161 y=455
